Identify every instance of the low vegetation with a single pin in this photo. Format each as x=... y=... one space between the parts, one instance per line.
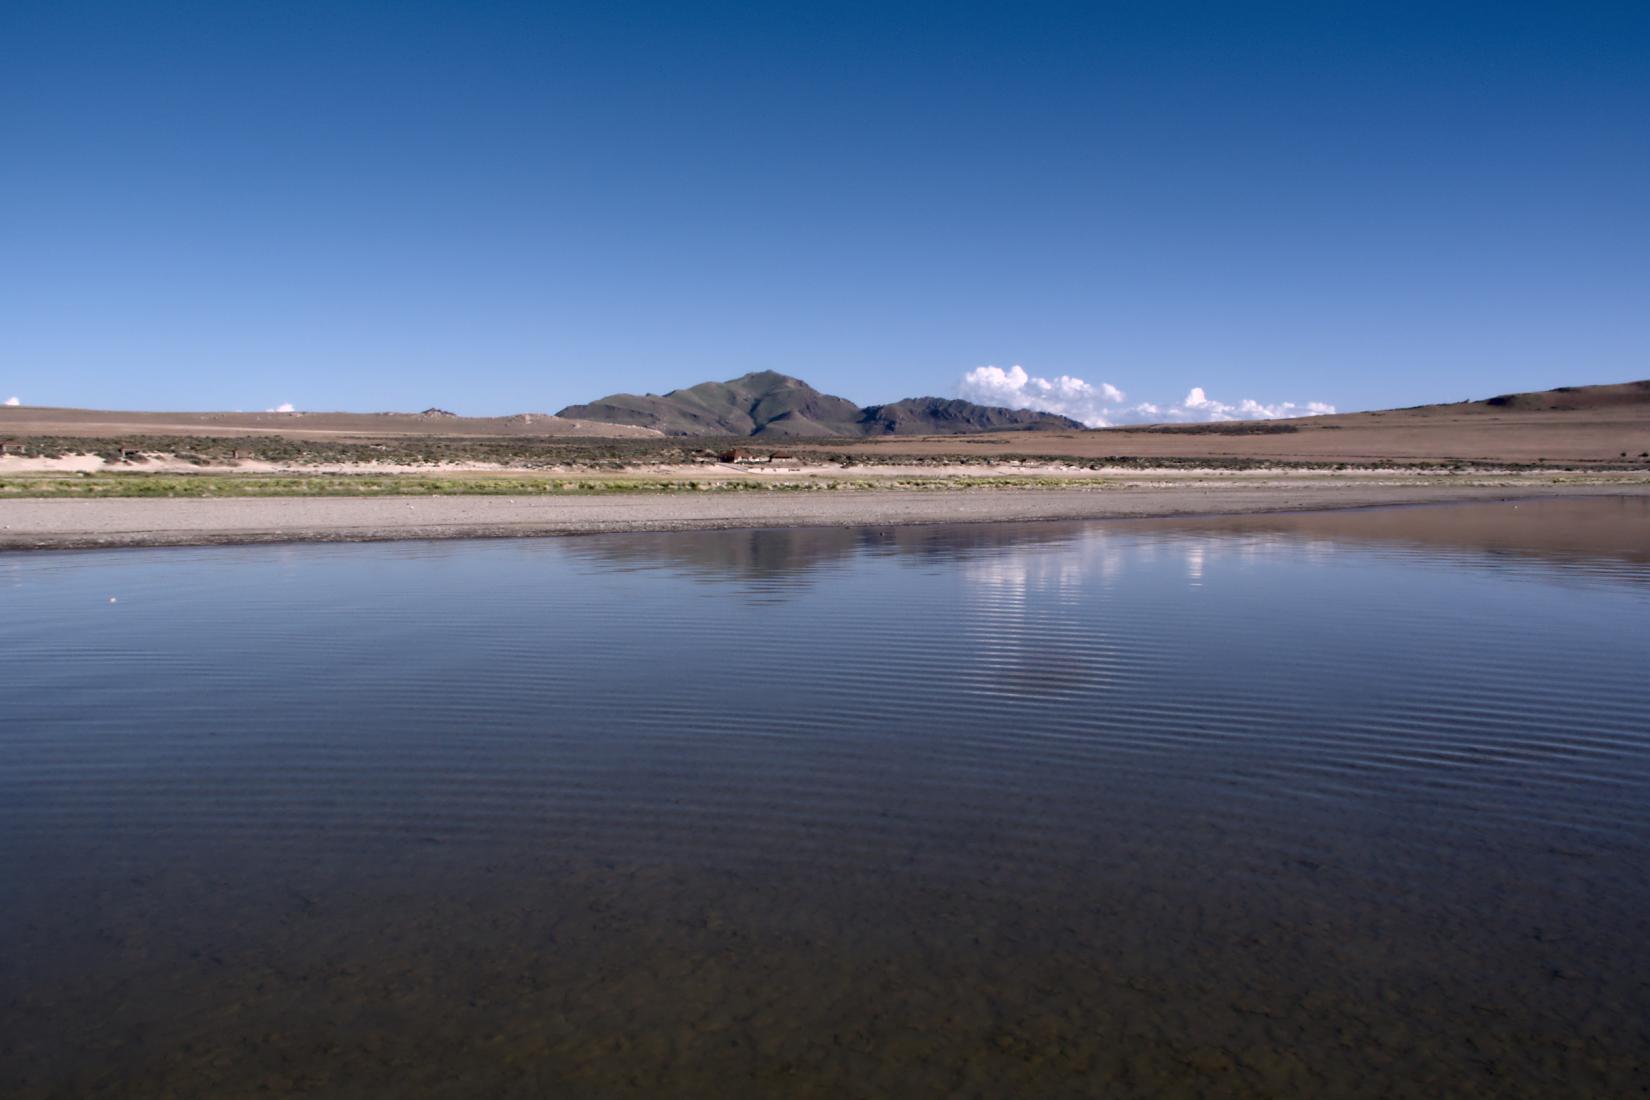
x=135 y=483
x=524 y=453
x=126 y=484
x=131 y=454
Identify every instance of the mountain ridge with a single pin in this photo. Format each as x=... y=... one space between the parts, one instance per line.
x=775 y=405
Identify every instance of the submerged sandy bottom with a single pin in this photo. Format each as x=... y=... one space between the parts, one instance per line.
x=1169 y=974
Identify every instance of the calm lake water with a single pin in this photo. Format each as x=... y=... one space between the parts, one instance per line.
x=1308 y=806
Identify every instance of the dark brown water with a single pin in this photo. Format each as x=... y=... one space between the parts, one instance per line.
x=1268 y=807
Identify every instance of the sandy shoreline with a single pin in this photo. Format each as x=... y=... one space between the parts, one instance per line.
x=33 y=524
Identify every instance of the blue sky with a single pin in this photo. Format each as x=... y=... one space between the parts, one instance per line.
x=498 y=207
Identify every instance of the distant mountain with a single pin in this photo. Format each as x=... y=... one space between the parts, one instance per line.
x=1609 y=396
x=766 y=403
x=1570 y=398
x=776 y=405
x=950 y=416
x=39 y=420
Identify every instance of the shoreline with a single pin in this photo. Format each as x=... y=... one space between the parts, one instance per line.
x=76 y=524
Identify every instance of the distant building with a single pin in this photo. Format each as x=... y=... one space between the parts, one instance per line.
x=745 y=454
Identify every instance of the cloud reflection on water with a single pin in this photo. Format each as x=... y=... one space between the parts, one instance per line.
x=1597 y=537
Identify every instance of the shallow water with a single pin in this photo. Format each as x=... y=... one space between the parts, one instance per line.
x=1352 y=805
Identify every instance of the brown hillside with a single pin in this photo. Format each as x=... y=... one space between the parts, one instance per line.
x=1572 y=424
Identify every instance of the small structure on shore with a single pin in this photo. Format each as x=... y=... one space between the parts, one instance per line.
x=10 y=447
x=745 y=454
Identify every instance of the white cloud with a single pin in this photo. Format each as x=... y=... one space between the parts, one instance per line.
x=12 y=402
x=1102 y=405
x=1198 y=405
x=1065 y=395
x=284 y=407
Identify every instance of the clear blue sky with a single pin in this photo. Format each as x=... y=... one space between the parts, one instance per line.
x=500 y=207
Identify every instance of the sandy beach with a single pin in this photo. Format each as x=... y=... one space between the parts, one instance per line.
x=61 y=524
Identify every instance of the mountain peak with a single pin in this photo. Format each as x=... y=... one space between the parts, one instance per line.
x=770 y=378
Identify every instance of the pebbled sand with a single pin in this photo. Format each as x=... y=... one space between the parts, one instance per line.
x=56 y=524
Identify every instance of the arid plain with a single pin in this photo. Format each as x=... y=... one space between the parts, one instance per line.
x=72 y=477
